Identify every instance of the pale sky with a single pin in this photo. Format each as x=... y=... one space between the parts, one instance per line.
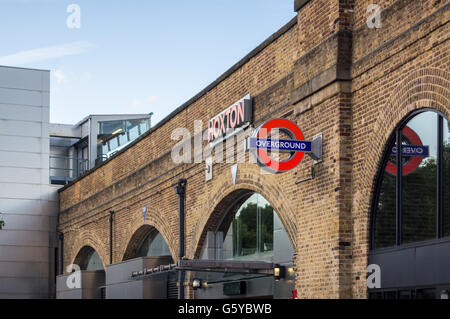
x=135 y=56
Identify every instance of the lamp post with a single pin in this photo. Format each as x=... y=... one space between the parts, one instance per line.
x=180 y=190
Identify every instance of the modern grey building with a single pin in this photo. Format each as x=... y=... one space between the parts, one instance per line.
x=36 y=158
x=28 y=202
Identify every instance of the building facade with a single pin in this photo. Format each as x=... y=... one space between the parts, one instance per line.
x=28 y=203
x=36 y=158
x=365 y=80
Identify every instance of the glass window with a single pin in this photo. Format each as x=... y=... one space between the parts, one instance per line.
x=153 y=245
x=419 y=209
x=115 y=135
x=420 y=178
x=251 y=230
x=385 y=232
x=92 y=261
x=265 y=214
x=113 y=144
x=133 y=133
x=244 y=229
x=111 y=127
x=446 y=168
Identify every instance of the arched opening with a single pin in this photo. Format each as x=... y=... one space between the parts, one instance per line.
x=410 y=228
x=147 y=241
x=147 y=249
x=88 y=259
x=248 y=229
x=85 y=282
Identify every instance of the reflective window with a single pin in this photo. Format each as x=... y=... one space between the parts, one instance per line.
x=112 y=127
x=422 y=207
x=92 y=261
x=420 y=178
x=251 y=229
x=153 y=245
x=115 y=135
x=446 y=173
x=385 y=231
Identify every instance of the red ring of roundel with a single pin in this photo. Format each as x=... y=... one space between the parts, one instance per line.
x=262 y=153
x=414 y=162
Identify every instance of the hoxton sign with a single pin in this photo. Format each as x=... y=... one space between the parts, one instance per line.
x=231 y=118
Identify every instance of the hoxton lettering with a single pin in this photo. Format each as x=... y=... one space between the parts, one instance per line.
x=234 y=116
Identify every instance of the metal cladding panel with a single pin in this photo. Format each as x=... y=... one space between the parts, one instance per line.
x=125 y=290
x=121 y=272
x=16 y=286
x=397 y=268
x=433 y=264
x=120 y=286
x=26 y=79
x=259 y=287
x=28 y=238
x=424 y=265
x=155 y=287
x=69 y=294
x=91 y=281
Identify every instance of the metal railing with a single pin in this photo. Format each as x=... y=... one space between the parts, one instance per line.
x=65 y=169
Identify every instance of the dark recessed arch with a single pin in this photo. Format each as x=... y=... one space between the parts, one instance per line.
x=88 y=259
x=142 y=241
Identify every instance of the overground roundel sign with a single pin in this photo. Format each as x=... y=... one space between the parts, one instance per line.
x=415 y=150
x=296 y=146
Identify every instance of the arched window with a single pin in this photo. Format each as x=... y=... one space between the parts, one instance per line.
x=89 y=259
x=153 y=245
x=250 y=230
x=412 y=200
x=250 y=233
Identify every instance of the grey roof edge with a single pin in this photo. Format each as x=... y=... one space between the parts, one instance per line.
x=298 y=4
x=86 y=118
x=196 y=97
x=23 y=68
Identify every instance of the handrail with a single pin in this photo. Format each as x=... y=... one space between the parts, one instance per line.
x=69 y=168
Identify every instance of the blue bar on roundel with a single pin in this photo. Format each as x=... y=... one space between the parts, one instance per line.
x=413 y=150
x=280 y=145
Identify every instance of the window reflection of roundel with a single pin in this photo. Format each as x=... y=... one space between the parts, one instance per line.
x=414 y=161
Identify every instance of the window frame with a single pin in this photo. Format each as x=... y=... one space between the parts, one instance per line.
x=395 y=139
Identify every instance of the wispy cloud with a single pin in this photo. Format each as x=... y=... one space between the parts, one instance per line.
x=59 y=76
x=37 y=55
x=62 y=76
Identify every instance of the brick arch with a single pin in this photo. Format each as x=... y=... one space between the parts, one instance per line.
x=136 y=239
x=89 y=240
x=420 y=89
x=137 y=233
x=423 y=88
x=226 y=193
